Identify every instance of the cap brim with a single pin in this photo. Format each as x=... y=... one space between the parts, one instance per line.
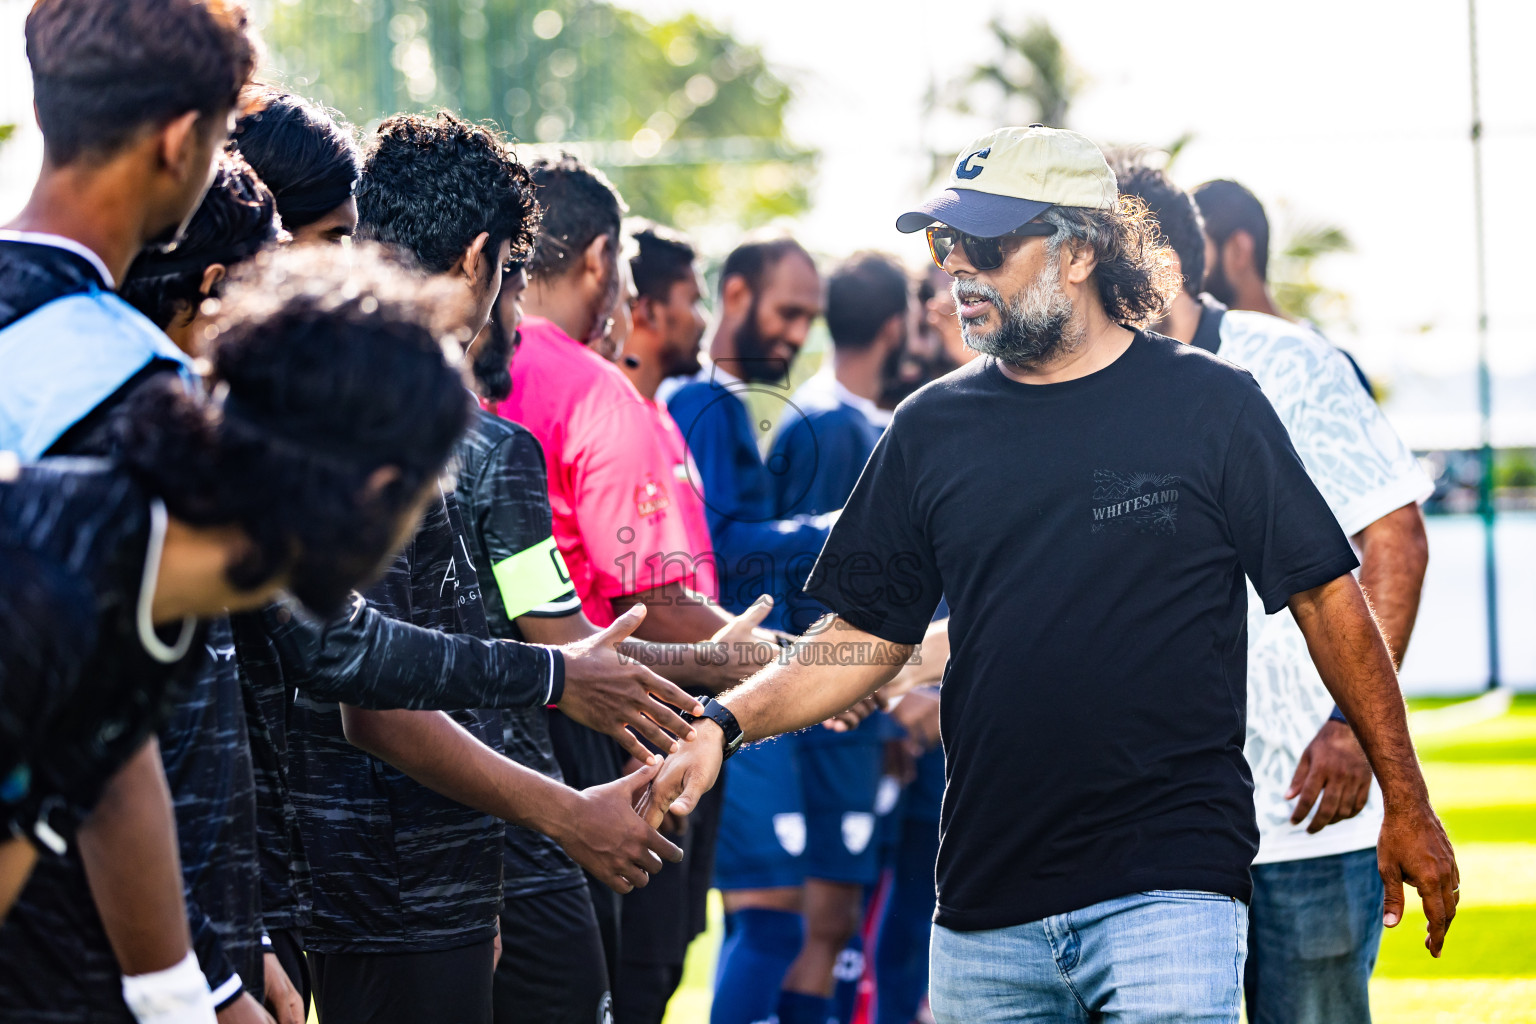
x=975 y=213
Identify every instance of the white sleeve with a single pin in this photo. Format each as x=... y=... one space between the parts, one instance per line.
x=1363 y=469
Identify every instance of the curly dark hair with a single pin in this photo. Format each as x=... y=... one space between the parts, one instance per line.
x=323 y=371
x=430 y=184
x=1134 y=271
x=235 y=220
x=305 y=154
x=1177 y=215
x=102 y=71
x=580 y=205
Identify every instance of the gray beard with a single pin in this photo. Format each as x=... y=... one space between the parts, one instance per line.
x=1037 y=325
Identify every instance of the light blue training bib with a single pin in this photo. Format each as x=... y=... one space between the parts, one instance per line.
x=68 y=356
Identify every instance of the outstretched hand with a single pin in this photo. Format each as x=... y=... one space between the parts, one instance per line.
x=847 y=721
x=742 y=645
x=1413 y=848
x=684 y=776
x=606 y=836
x=614 y=694
x=918 y=714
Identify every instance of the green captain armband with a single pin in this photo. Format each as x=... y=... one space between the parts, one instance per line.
x=532 y=577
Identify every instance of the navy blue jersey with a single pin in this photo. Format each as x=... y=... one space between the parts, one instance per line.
x=506 y=507
x=818 y=452
x=397 y=867
x=753 y=541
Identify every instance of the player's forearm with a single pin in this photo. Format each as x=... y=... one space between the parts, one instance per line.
x=827 y=671
x=440 y=754
x=683 y=664
x=16 y=859
x=1394 y=552
x=926 y=666
x=675 y=615
x=128 y=849
x=369 y=659
x=1350 y=655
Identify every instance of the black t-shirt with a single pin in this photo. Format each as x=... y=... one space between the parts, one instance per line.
x=81 y=529
x=1091 y=538
x=397 y=867
x=505 y=499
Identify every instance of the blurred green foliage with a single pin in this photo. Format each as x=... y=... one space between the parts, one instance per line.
x=1028 y=78
x=1514 y=467
x=1293 y=277
x=687 y=122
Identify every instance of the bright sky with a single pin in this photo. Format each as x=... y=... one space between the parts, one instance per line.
x=1356 y=114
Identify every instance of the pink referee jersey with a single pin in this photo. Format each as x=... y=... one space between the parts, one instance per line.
x=627 y=517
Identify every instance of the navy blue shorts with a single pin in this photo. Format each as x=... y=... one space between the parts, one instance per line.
x=800 y=807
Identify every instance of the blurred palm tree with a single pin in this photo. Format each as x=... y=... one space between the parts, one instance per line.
x=1032 y=72
x=1293 y=277
x=1030 y=79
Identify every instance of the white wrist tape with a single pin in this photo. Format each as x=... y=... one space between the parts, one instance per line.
x=176 y=995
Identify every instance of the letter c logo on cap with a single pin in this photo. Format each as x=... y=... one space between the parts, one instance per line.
x=973 y=164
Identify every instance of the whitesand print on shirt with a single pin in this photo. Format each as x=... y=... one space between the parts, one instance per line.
x=1364 y=471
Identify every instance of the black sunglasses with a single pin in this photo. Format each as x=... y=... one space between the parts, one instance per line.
x=984 y=253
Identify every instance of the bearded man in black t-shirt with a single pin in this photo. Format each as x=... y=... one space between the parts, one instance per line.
x=1088 y=499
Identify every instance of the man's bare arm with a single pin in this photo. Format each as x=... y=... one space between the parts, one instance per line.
x=596 y=826
x=926 y=668
x=128 y=849
x=714 y=662
x=828 y=670
x=1353 y=660
x=1333 y=772
x=674 y=614
x=1394 y=553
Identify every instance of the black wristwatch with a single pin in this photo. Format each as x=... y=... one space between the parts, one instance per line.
x=721 y=716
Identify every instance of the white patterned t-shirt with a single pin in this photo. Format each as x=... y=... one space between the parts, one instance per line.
x=1364 y=471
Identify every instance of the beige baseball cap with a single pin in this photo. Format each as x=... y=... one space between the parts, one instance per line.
x=1010 y=176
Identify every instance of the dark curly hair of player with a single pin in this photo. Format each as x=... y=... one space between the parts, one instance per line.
x=235 y=220
x=432 y=183
x=1178 y=218
x=324 y=370
x=303 y=153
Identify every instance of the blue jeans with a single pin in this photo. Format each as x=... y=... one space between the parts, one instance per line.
x=1314 y=931
x=1152 y=957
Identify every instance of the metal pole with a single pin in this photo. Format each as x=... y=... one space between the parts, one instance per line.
x=1484 y=382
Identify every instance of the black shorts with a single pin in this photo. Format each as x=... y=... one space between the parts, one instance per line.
x=552 y=966
x=643 y=991
x=452 y=986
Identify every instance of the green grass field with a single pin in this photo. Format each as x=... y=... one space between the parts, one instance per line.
x=1482 y=777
